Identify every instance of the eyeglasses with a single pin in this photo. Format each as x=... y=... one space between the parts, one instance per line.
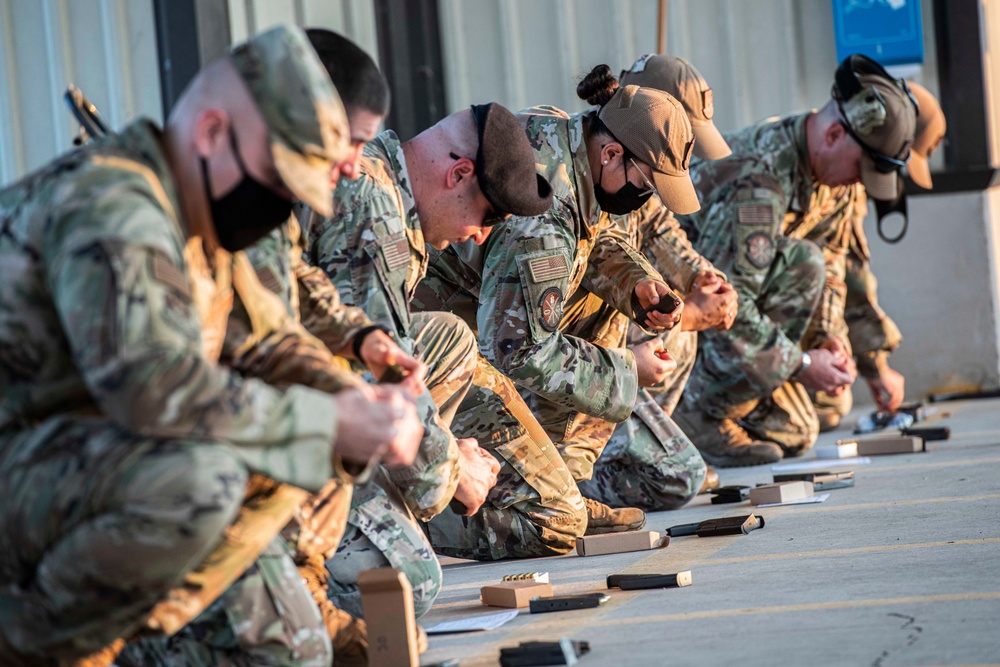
x=649 y=184
x=492 y=217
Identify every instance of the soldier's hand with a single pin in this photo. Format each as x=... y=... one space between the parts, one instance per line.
x=377 y=422
x=888 y=389
x=379 y=351
x=825 y=373
x=845 y=360
x=711 y=304
x=649 y=293
x=653 y=362
x=478 y=476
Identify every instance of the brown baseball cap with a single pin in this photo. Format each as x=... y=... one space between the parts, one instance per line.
x=931 y=127
x=680 y=78
x=880 y=114
x=652 y=125
x=306 y=122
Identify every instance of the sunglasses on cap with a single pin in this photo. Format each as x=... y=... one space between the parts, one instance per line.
x=492 y=217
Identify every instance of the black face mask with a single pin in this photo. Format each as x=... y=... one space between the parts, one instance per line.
x=247 y=212
x=626 y=200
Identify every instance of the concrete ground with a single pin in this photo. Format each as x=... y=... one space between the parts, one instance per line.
x=902 y=569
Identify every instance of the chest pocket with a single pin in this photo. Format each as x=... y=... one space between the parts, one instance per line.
x=756 y=227
x=544 y=275
x=391 y=257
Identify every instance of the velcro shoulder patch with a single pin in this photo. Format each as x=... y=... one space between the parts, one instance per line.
x=756 y=214
x=543 y=269
x=170 y=274
x=396 y=253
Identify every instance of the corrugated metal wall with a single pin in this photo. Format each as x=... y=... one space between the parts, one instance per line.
x=762 y=57
x=106 y=47
x=353 y=18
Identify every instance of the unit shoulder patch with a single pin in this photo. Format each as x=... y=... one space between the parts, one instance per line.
x=550 y=308
x=760 y=250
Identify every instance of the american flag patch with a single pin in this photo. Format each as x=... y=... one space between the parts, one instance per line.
x=396 y=254
x=548 y=268
x=756 y=214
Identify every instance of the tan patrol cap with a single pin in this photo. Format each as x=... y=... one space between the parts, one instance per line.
x=881 y=116
x=306 y=121
x=652 y=125
x=680 y=78
x=931 y=128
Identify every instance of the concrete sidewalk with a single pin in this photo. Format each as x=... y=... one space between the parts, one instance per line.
x=902 y=569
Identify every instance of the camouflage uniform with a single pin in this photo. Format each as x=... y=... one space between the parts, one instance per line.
x=115 y=312
x=550 y=293
x=849 y=308
x=373 y=251
x=750 y=197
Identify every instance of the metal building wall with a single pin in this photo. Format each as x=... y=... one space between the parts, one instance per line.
x=353 y=18
x=106 y=47
x=762 y=57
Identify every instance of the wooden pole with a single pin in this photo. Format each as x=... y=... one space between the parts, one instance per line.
x=661 y=27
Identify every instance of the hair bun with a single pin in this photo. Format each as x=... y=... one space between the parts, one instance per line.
x=597 y=87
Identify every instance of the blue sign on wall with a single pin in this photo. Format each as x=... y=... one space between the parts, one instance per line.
x=890 y=31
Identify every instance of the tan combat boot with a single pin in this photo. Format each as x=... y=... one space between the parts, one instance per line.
x=723 y=442
x=829 y=419
x=602 y=519
x=711 y=481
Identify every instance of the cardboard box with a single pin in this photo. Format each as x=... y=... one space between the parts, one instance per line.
x=387 y=599
x=513 y=594
x=781 y=492
x=897 y=444
x=844 y=449
x=616 y=543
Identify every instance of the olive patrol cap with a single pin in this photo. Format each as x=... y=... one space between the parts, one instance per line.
x=680 y=78
x=931 y=128
x=306 y=122
x=652 y=125
x=880 y=114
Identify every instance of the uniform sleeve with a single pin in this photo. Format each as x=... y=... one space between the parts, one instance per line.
x=828 y=319
x=524 y=285
x=669 y=250
x=364 y=252
x=321 y=309
x=751 y=216
x=129 y=317
x=873 y=334
x=615 y=267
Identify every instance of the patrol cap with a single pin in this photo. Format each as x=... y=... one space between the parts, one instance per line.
x=306 y=122
x=931 y=127
x=505 y=164
x=680 y=78
x=879 y=113
x=652 y=125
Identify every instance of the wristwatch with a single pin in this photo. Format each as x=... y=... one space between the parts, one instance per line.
x=803 y=367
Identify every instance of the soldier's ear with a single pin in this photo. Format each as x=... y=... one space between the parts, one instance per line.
x=610 y=151
x=460 y=172
x=211 y=132
x=834 y=134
